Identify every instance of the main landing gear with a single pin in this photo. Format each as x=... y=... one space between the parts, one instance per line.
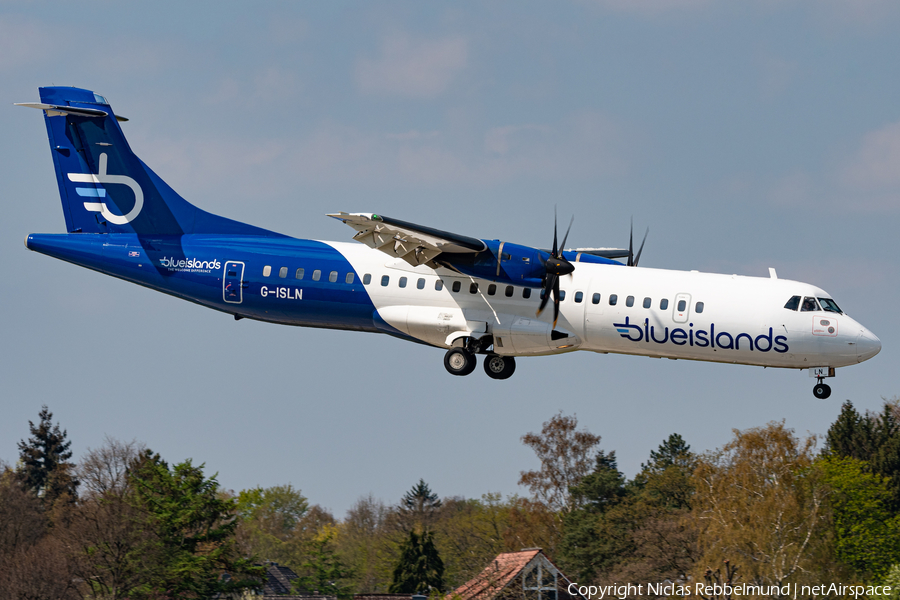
x=463 y=360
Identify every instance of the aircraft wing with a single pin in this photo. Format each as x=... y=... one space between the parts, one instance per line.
x=416 y=244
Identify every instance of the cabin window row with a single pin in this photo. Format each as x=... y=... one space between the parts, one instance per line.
x=316 y=274
x=509 y=291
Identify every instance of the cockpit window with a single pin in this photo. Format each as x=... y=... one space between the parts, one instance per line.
x=830 y=305
x=809 y=305
x=793 y=303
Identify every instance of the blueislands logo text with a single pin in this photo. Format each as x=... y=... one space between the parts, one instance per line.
x=702 y=338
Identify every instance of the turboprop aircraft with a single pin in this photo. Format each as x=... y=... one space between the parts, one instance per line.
x=465 y=295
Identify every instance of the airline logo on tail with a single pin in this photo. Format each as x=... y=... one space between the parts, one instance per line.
x=99 y=192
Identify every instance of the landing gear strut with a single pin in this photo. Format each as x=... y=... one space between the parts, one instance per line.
x=499 y=367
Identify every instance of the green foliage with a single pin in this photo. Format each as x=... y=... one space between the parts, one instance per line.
x=420 y=568
x=270 y=523
x=873 y=438
x=587 y=547
x=46 y=469
x=324 y=572
x=892 y=579
x=191 y=527
x=867 y=535
x=418 y=507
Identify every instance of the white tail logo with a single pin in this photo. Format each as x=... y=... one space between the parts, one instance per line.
x=100 y=207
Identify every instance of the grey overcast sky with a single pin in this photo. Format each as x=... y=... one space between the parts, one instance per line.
x=745 y=134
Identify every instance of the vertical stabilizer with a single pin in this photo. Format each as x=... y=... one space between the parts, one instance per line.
x=104 y=186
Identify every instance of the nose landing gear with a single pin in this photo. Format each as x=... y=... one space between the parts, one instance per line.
x=821 y=390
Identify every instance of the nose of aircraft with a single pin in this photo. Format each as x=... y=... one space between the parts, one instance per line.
x=867 y=346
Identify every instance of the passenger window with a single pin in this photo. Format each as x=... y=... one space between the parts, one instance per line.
x=420 y=284
x=439 y=285
x=332 y=277
x=299 y=274
x=793 y=303
x=385 y=280
x=647 y=302
x=664 y=304
x=526 y=293
x=613 y=298
x=629 y=301
x=492 y=289
x=562 y=295
x=830 y=305
x=349 y=278
x=473 y=288
x=698 y=308
x=682 y=305
x=456 y=286
x=282 y=272
x=317 y=275
x=367 y=279
x=267 y=270
x=232 y=273
x=809 y=305
x=579 y=297
x=402 y=282
x=509 y=291
x=595 y=299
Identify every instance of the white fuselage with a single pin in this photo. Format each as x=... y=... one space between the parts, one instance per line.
x=610 y=308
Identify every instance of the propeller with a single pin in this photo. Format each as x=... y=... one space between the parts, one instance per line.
x=555 y=266
x=633 y=258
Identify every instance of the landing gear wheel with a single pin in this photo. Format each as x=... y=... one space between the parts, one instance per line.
x=822 y=391
x=499 y=367
x=459 y=361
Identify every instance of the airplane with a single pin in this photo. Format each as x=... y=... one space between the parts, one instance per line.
x=465 y=295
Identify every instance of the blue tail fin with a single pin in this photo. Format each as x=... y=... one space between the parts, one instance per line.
x=104 y=186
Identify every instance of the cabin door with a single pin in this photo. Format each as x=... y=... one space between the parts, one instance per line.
x=233 y=282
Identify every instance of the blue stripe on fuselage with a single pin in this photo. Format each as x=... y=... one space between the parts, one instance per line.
x=192 y=267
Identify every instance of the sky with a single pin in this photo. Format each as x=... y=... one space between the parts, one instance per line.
x=745 y=135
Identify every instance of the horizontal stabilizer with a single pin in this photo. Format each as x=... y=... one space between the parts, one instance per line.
x=55 y=110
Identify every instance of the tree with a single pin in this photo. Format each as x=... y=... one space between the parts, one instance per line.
x=418 y=507
x=103 y=531
x=269 y=520
x=867 y=535
x=873 y=438
x=323 y=571
x=365 y=544
x=566 y=455
x=759 y=499
x=191 y=527
x=46 y=469
x=584 y=549
x=420 y=568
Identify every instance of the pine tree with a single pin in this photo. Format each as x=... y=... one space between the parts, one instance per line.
x=673 y=452
x=418 y=507
x=45 y=467
x=420 y=568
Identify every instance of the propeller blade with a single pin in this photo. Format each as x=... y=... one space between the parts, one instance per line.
x=548 y=285
x=631 y=244
x=553 y=252
x=641 y=249
x=555 y=301
x=565 y=237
